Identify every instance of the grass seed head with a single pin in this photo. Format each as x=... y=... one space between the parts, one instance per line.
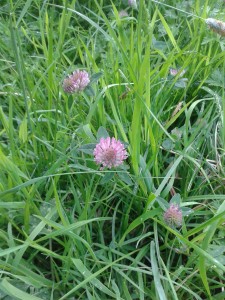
x=216 y=26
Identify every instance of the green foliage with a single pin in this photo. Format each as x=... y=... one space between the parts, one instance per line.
x=70 y=230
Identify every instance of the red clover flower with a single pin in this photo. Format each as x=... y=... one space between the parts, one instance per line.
x=76 y=82
x=109 y=152
x=173 y=215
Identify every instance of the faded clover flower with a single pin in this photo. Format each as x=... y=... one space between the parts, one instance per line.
x=132 y=3
x=123 y=13
x=76 y=82
x=109 y=152
x=173 y=215
x=174 y=72
x=216 y=25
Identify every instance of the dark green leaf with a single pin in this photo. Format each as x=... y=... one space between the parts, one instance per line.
x=102 y=133
x=108 y=176
x=88 y=148
x=95 y=77
x=89 y=91
x=125 y=178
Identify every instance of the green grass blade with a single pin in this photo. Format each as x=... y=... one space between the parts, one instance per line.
x=87 y=275
x=155 y=271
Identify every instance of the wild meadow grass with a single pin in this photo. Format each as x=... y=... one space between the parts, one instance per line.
x=152 y=227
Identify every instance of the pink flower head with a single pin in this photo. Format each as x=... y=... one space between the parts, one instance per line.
x=76 y=82
x=109 y=152
x=132 y=3
x=173 y=215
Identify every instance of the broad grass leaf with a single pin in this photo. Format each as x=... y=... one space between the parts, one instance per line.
x=23 y=130
x=156 y=274
x=11 y=290
x=92 y=278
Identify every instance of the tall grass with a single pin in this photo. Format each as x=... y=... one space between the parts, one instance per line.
x=70 y=230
